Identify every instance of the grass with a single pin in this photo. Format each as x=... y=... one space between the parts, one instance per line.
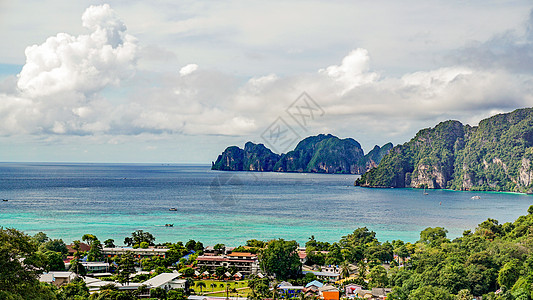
x=218 y=288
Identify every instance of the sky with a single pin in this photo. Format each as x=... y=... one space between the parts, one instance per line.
x=179 y=81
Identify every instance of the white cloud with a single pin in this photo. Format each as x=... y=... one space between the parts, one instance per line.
x=89 y=84
x=188 y=69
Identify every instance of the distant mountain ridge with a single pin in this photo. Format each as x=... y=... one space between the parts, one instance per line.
x=323 y=153
x=496 y=155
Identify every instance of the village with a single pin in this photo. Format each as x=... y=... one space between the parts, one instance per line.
x=144 y=270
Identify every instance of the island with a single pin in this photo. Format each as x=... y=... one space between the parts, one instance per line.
x=323 y=153
x=496 y=155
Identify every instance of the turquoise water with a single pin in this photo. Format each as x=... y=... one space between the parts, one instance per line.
x=113 y=200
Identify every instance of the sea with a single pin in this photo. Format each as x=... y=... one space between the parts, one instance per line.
x=68 y=200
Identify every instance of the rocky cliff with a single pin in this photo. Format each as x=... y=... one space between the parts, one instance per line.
x=494 y=156
x=316 y=154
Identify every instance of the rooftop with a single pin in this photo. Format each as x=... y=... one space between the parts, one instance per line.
x=161 y=279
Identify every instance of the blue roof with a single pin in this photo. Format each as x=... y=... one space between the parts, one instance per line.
x=315 y=283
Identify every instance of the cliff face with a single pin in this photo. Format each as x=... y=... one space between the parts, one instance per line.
x=322 y=154
x=315 y=154
x=254 y=157
x=373 y=158
x=494 y=156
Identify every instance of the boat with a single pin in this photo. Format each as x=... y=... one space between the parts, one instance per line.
x=169 y=225
x=475 y=197
x=425 y=193
x=173 y=209
x=5 y=200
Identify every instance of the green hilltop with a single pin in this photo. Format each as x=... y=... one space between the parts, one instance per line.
x=323 y=153
x=496 y=155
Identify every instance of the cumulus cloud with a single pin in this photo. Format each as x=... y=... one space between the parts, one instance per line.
x=57 y=89
x=66 y=88
x=188 y=69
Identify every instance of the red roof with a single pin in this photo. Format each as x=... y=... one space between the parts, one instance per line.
x=83 y=247
x=242 y=254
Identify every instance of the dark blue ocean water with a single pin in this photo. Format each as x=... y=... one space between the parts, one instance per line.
x=113 y=200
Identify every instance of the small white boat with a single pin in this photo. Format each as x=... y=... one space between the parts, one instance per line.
x=475 y=197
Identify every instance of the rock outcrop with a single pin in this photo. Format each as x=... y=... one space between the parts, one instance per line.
x=496 y=155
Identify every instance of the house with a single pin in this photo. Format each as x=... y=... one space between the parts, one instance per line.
x=95 y=266
x=138 y=252
x=94 y=285
x=351 y=288
x=244 y=263
x=289 y=290
x=363 y=294
x=83 y=247
x=303 y=256
x=380 y=293
x=328 y=292
x=166 y=281
x=238 y=276
x=313 y=286
x=326 y=276
x=57 y=278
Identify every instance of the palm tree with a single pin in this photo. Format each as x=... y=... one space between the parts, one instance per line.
x=345 y=269
x=213 y=285
x=275 y=284
x=201 y=285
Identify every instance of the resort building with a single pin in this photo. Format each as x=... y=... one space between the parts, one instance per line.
x=57 y=278
x=244 y=263
x=138 y=252
x=325 y=276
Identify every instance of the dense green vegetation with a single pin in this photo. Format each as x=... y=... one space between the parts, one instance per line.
x=316 y=154
x=494 y=156
x=494 y=261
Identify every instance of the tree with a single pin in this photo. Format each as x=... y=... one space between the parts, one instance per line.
x=89 y=238
x=280 y=258
x=464 y=295
x=40 y=238
x=54 y=261
x=187 y=272
x=158 y=293
x=433 y=236
x=77 y=267
x=76 y=246
x=95 y=253
x=430 y=293
x=139 y=236
x=75 y=289
x=56 y=245
x=125 y=267
x=219 y=247
x=109 y=243
x=19 y=264
x=201 y=285
x=509 y=274
x=177 y=294
x=345 y=269
x=378 y=277
x=190 y=245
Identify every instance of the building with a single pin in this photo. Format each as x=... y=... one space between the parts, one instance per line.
x=57 y=278
x=325 y=276
x=166 y=281
x=244 y=263
x=351 y=288
x=329 y=292
x=363 y=294
x=83 y=247
x=380 y=293
x=138 y=252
